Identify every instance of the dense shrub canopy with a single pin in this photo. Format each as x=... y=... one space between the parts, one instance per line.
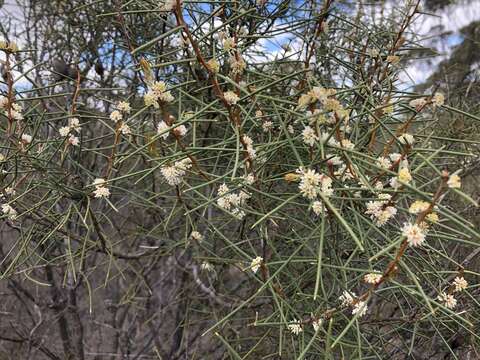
x=244 y=180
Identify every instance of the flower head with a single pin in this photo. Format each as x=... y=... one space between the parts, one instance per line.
x=414 y=233
x=448 y=300
x=213 y=65
x=101 y=190
x=317 y=324
x=230 y=97
x=372 y=278
x=116 y=116
x=64 y=131
x=174 y=174
x=347 y=298
x=460 y=283
x=124 y=106
x=309 y=136
x=9 y=211
x=26 y=139
x=454 y=182
x=195 y=235
x=256 y=263
x=418 y=206
x=73 y=140
x=360 y=308
x=295 y=327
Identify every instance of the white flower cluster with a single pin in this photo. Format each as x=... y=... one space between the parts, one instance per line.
x=157 y=93
x=230 y=97
x=418 y=207
x=232 y=202
x=372 y=278
x=380 y=211
x=267 y=126
x=206 y=266
x=197 y=236
x=309 y=136
x=8 y=210
x=256 y=263
x=237 y=64
x=404 y=177
x=406 y=139
x=317 y=324
x=26 y=138
x=252 y=153
x=454 y=181
x=117 y=115
x=174 y=174
x=295 y=327
x=101 y=190
x=414 y=233
x=72 y=128
x=359 y=307
x=15 y=111
x=313 y=183
x=448 y=299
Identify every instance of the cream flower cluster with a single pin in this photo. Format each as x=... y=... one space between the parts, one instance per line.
x=197 y=236
x=8 y=210
x=309 y=136
x=414 y=233
x=383 y=162
x=460 y=283
x=454 y=181
x=122 y=108
x=256 y=263
x=157 y=93
x=173 y=174
x=213 y=65
x=324 y=96
x=232 y=202
x=448 y=299
x=406 y=139
x=237 y=64
x=317 y=324
x=252 y=153
x=418 y=207
x=15 y=111
x=372 y=278
x=348 y=299
x=404 y=177
x=313 y=183
x=295 y=327
x=380 y=211
x=230 y=97
x=318 y=207
x=101 y=190
x=206 y=266
x=267 y=126
x=437 y=100
x=70 y=130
